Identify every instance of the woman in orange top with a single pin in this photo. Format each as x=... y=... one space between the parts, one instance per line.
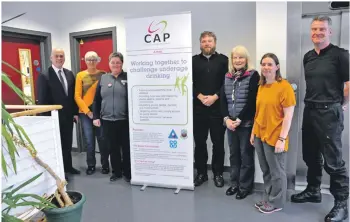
x=85 y=88
x=274 y=112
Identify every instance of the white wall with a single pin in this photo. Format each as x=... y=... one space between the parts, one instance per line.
x=271 y=36
x=271 y=31
x=225 y=19
x=233 y=23
x=40 y=16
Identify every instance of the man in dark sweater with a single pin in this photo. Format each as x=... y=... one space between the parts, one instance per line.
x=209 y=69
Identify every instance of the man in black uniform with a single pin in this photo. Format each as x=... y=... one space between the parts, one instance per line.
x=209 y=69
x=326 y=71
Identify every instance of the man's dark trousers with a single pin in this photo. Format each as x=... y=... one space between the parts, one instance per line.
x=205 y=121
x=322 y=128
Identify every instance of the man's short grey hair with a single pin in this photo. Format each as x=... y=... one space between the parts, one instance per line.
x=323 y=18
x=116 y=55
x=207 y=33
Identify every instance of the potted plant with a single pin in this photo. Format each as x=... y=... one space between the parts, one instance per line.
x=61 y=206
x=69 y=204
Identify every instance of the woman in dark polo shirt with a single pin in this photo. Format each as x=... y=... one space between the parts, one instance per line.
x=111 y=107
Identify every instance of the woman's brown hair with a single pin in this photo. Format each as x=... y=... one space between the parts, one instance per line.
x=278 y=72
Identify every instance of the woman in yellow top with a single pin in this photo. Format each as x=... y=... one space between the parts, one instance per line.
x=274 y=112
x=85 y=88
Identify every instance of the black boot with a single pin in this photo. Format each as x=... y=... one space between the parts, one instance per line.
x=339 y=212
x=310 y=194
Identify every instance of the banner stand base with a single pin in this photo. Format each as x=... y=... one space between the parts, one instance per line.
x=177 y=190
x=143 y=187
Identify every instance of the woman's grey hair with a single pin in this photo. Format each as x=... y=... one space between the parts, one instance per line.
x=116 y=55
x=91 y=55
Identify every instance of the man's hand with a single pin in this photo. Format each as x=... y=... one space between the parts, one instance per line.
x=201 y=97
x=76 y=118
x=210 y=100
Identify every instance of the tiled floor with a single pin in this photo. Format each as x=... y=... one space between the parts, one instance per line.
x=121 y=202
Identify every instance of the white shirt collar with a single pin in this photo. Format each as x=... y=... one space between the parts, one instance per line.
x=56 y=69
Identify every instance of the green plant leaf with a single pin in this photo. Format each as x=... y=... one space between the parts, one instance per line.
x=21 y=131
x=32 y=204
x=5 y=209
x=37 y=197
x=9 y=202
x=10 y=19
x=6 y=117
x=10 y=84
x=8 y=188
x=9 y=128
x=13 y=68
x=4 y=164
x=9 y=218
x=25 y=183
x=10 y=146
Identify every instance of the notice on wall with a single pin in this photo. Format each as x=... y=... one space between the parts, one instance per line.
x=159 y=67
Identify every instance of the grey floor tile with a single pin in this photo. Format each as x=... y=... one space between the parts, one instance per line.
x=121 y=202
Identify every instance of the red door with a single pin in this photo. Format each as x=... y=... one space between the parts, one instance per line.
x=10 y=55
x=102 y=45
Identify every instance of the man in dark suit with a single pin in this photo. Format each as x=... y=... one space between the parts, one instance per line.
x=56 y=87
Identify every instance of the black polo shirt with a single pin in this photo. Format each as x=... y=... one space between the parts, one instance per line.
x=325 y=74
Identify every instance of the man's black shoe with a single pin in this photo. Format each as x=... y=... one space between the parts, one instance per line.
x=200 y=179
x=231 y=191
x=218 y=181
x=127 y=178
x=242 y=194
x=339 y=212
x=310 y=194
x=73 y=171
x=90 y=170
x=115 y=177
x=105 y=171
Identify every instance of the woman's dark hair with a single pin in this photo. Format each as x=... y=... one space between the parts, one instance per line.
x=116 y=55
x=278 y=72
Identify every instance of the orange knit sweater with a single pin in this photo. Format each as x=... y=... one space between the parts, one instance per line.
x=85 y=88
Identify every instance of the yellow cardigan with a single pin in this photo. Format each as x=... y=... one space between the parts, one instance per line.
x=85 y=89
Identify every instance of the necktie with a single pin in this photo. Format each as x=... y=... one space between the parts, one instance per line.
x=62 y=81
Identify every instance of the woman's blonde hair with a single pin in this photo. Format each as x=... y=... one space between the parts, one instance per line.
x=242 y=51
